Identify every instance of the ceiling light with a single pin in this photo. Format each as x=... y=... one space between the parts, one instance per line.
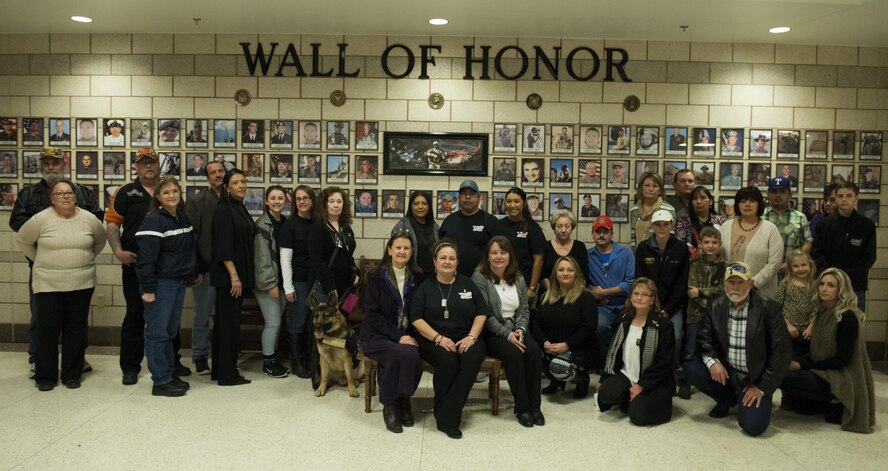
x=438 y=21
x=82 y=19
x=780 y=29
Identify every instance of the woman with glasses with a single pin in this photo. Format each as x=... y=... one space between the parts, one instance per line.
x=295 y=264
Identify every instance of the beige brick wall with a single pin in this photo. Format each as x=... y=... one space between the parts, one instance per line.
x=679 y=83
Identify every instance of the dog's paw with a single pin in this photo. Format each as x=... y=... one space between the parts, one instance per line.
x=353 y=392
x=320 y=392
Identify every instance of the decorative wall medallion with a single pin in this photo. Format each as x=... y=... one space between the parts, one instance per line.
x=242 y=97
x=436 y=101
x=631 y=103
x=534 y=101
x=337 y=98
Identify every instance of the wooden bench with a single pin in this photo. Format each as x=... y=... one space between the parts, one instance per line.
x=491 y=366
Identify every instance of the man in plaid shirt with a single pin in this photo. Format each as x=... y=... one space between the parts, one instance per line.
x=745 y=351
x=792 y=224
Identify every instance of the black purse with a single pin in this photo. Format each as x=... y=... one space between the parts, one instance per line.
x=317 y=289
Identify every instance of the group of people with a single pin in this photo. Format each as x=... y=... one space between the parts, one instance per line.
x=717 y=297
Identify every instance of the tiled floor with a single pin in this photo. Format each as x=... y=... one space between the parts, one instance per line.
x=278 y=423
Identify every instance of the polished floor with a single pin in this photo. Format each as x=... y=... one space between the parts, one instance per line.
x=278 y=423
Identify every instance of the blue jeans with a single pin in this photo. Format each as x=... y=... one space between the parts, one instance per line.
x=690 y=341
x=204 y=304
x=272 y=310
x=298 y=319
x=753 y=420
x=861 y=300
x=607 y=316
x=677 y=320
x=161 y=326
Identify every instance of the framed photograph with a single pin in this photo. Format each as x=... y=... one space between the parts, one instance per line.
x=337 y=135
x=726 y=207
x=87 y=165
x=309 y=134
x=647 y=140
x=678 y=141
x=193 y=190
x=504 y=137
x=760 y=143
x=559 y=201
x=811 y=207
x=534 y=140
x=141 y=132
x=504 y=171
x=704 y=175
x=365 y=203
x=616 y=207
x=869 y=209
x=562 y=139
x=670 y=169
x=60 y=134
x=532 y=172
x=816 y=144
x=367 y=135
x=196 y=133
x=254 y=200
x=561 y=172
x=704 y=142
x=447 y=203
x=281 y=135
x=788 y=143
x=367 y=170
x=731 y=176
x=9 y=134
x=253 y=133
x=196 y=166
x=815 y=178
x=869 y=178
x=732 y=142
x=619 y=140
x=108 y=193
x=309 y=168
x=393 y=203
x=589 y=210
x=646 y=166
x=114 y=132
x=32 y=132
x=871 y=145
x=452 y=154
x=229 y=159
x=8 y=163
x=224 y=133
x=842 y=173
x=337 y=169
x=843 y=145
x=281 y=168
x=759 y=174
x=168 y=133
x=535 y=205
x=8 y=195
x=789 y=172
x=498 y=204
x=288 y=202
x=114 y=165
x=86 y=132
x=618 y=174
x=590 y=173
x=253 y=165
x=31 y=164
x=169 y=163
x=591 y=140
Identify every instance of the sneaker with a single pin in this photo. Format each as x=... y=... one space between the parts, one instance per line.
x=169 y=390
x=86 y=367
x=33 y=371
x=181 y=370
x=684 y=391
x=72 y=383
x=130 y=378
x=179 y=382
x=275 y=369
x=201 y=366
x=481 y=377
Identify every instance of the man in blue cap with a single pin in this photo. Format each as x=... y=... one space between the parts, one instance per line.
x=470 y=227
x=792 y=224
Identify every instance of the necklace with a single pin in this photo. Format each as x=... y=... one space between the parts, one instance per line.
x=740 y=223
x=445 y=299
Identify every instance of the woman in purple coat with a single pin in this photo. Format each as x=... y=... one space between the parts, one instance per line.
x=384 y=333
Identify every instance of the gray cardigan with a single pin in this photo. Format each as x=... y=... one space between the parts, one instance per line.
x=405 y=225
x=495 y=323
x=267 y=257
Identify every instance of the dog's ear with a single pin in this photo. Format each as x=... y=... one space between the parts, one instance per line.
x=313 y=300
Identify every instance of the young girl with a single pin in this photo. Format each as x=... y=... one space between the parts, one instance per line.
x=796 y=294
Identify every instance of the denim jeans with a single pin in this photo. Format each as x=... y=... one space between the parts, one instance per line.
x=690 y=341
x=298 y=320
x=272 y=310
x=161 y=326
x=204 y=304
x=753 y=420
x=861 y=300
x=605 y=330
x=677 y=320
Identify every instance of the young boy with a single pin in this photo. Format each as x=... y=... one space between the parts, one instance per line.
x=705 y=282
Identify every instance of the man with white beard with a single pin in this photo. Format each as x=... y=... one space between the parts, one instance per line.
x=745 y=351
x=35 y=198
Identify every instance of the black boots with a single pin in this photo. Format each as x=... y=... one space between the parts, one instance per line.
x=390 y=415
x=553 y=387
x=406 y=413
x=582 y=381
x=298 y=356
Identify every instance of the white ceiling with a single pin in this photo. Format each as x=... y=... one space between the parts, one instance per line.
x=825 y=22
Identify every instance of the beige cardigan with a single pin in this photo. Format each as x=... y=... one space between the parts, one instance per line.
x=764 y=255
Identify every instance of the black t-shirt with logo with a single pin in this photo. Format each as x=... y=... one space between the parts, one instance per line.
x=471 y=234
x=526 y=242
x=464 y=303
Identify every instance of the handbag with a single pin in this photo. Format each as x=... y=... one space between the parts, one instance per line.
x=317 y=289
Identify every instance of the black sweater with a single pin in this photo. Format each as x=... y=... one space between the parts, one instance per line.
x=668 y=269
x=574 y=323
x=848 y=243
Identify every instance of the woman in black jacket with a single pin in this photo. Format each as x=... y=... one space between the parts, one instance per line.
x=332 y=243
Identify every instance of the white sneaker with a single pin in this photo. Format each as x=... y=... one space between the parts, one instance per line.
x=33 y=373
x=482 y=377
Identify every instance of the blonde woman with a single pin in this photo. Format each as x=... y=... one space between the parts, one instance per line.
x=649 y=198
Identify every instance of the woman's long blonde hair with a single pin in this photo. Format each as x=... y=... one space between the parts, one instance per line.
x=571 y=294
x=845 y=301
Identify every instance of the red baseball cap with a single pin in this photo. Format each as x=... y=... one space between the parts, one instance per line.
x=603 y=221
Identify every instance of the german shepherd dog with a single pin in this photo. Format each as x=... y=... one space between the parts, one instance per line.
x=331 y=330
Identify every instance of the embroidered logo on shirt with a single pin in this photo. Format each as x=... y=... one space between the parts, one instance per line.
x=135 y=192
x=465 y=294
x=477 y=228
x=521 y=235
x=856 y=242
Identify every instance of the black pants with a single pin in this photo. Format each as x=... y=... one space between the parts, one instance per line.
x=132 y=331
x=226 y=336
x=651 y=407
x=522 y=370
x=453 y=379
x=804 y=384
x=65 y=313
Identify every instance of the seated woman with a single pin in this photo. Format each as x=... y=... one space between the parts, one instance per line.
x=385 y=335
x=565 y=324
x=449 y=312
x=836 y=375
x=505 y=292
x=638 y=368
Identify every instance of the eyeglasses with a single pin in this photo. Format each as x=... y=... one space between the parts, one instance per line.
x=642 y=295
x=303 y=198
x=63 y=194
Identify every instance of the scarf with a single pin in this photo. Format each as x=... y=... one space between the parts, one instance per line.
x=648 y=350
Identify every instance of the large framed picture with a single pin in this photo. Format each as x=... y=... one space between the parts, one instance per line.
x=406 y=153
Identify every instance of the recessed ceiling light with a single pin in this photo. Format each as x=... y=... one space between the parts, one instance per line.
x=82 y=19
x=780 y=29
x=438 y=21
